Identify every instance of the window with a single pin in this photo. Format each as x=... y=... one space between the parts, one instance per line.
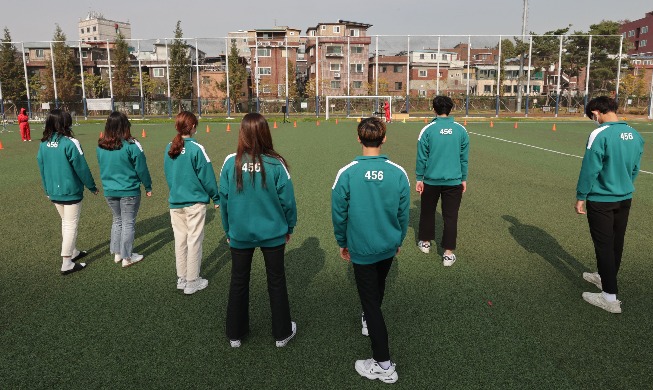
x=356 y=68
x=292 y=33
x=398 y=85
x=336 y=29
x=334 y=50
x=421 y=56
x=357 y=84
x=397 y=68
x=507 y=88
x=444 y=57
x=40 y=53
x=487 y=89
x=383 y=69
x=84 y=54
x=94 y=28
x=158 y=72
x=421 y=93
x=440 y=74
x=82 y=31
x=311 y=33
x=265 y=71
x=644 y=29
x=266 y=89
x=357 y=49
x=88 y=29
x=642 y=43
x=354 y=32
x=323 y=27
x=434 y=56
x=536 y=88
x=335 y=83
x=631 y=33
x=334 y=67
x=264 y=52
x=422 y=73
x=95 y=38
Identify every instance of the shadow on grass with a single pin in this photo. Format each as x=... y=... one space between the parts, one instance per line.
x=414 y=223
x=303 y=264
x=159 y=224
x=536 y=240
x=214 y=262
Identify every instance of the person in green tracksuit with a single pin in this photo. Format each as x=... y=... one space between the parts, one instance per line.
x=441 y=171
x=370 y=206
x=257 y=203
x=123 y=168
x=192 y=185
x=65 y=173
x=605 y=186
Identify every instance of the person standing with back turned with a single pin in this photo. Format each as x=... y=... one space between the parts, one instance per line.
x=441 y=170
x=605 y=186
x=370 y=206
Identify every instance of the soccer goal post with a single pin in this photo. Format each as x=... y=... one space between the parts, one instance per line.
x=356 y=106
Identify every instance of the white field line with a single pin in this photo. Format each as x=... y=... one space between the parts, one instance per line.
x=537 y=147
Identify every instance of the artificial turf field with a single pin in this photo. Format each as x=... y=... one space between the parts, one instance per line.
x=508 y=314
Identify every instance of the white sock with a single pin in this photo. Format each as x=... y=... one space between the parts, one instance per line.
x=384 y=365
x=66 y=263
x=610 y=297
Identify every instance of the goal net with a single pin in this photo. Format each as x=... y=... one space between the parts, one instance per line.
x=356 y=106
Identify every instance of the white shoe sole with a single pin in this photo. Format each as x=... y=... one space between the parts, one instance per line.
x=601 y=303
x=283 y=343
x=392 y=378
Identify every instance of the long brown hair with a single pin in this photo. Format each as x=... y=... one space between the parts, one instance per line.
x=254 y=140
x=116 y=130
x=184 y=123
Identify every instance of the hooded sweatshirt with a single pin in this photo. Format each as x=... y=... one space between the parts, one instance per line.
x=23 y=119
x=123 y=170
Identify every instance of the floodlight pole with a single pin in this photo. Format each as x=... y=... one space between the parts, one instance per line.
x=587 y=74
x=29 y=102
x=317 y=76
x=528 y=73
x=469 y=55
x=520 y=93
x=621 y=46
x=498 y=79
x=407 y=77
x=54 y=77
x=140 y=80
x=81 y=73
x=257 y=74
x=285 y=114
x=168 y=79
x=559 y=78
x=197 y=74
x=348 y=75
x=227 y=50
x=110 y=76
x=437 y=70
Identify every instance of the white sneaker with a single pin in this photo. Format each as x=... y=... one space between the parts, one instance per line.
x=131 y=261
x=364 y=330
x=448 y=261
x=181 y=283
x=195 y=285
x=594 y=278
x=234 y=343
x=370 y=369
x=597 y=299
x=283 y=342
x=424 y=246
x=117 y=258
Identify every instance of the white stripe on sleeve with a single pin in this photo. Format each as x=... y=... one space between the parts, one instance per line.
x=593 y=136
x=225 y=161
x=402 y=169
x=206 y=156
x=341 y=171
x=76 y=142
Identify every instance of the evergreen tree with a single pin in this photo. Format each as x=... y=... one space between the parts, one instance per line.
x=121 y=72
x=237 y=76
x=67 y=76
x=180 y=68
x=12 y=75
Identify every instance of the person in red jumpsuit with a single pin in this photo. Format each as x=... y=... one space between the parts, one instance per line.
x=24 y=126
x=386 y=109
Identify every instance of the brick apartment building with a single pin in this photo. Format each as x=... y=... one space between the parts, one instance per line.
x=640 y=35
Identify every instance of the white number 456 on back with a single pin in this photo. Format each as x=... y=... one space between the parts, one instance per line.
x=374 y=175
x=626 y=136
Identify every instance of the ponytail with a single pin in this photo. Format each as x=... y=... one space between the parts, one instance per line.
x=176 y=147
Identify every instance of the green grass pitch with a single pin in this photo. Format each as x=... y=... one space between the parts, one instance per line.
x=508 y=314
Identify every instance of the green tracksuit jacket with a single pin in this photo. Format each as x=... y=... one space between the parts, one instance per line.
x=370 y=204
x=442 y=152
x=123 y=170
x=64 y=170
x=190 y=176
x=611 y=163
x=257 y=216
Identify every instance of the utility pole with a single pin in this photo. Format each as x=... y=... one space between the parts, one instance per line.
x=520 y=83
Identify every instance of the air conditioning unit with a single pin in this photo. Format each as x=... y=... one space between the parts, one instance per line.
x=336 y=75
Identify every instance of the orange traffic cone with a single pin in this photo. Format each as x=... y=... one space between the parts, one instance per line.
x=101 y=134
x=1 y=147
x=425 y=121
x=143 y=135
x=358 y=120
x=294 y=124
x=516 y=125
x=228 y=126
x=317 y=123
x=554 y=127
x=491 y=124
x=208 y=129
x=275 y=125
x=336 y=121
x=465 y=123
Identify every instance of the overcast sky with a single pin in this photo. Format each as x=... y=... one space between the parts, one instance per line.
x=35 y=20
